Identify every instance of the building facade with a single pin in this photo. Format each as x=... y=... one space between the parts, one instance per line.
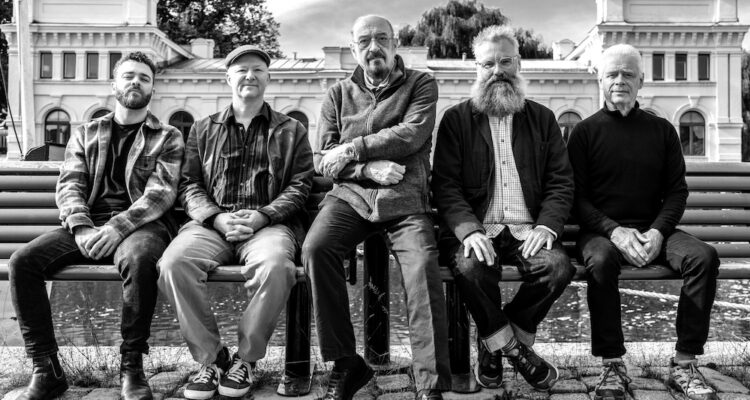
x=61 y=77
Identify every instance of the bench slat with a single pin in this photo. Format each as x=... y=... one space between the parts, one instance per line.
x=724 y=200
x=29 y=216
x=23 y=233
x=738 y=183
x=28 y=182
x=27 y=199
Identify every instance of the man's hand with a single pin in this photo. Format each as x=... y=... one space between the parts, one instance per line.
x=482 y=247
x=245 y=224
x=221 y=222
x=652 y=240
x=335 y=159
x=537 y=238
x=103 y=243
x=384 y=172
x=82 y=236
x=626 y=240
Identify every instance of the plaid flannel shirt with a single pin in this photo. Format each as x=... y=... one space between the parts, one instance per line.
x=152 y=173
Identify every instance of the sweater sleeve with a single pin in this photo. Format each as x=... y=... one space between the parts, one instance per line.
x=588 y=216
x=675 y=187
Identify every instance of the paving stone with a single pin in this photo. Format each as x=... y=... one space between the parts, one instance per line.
x=564 y=373
x=640 y=383
x=570 y=396
x=519 y=388
x=723 y=383
x=652 y=395
x=158 y=396
x=407 y=395
x=484 y=394
x=392 y=383
x=166 y=382
x=268 y=392
x=103 y=394
x=590 y=382
x=75 y=393
x=13 y=394
x=179 y=392
x=569 y=386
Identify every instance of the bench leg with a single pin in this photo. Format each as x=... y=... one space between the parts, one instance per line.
x=376 y=297
x=297 y=377
x=459 y=342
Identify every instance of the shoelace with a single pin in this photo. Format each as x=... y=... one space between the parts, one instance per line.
x=695 y=380
x=610 y=372
x=204 y=375
x=239 y=372
x=525 y=360
x=333 y=385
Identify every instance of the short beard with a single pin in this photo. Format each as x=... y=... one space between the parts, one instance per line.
x=130 y=101
x=499 y=96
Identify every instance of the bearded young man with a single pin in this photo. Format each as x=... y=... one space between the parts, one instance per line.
x=504 y=188
x=116 y=186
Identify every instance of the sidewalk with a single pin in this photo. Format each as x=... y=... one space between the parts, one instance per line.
x=168 y=368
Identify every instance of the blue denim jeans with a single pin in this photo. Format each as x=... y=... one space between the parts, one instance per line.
x=336 y=231
x=697 y=263
x=479 y=285
x=135 y=258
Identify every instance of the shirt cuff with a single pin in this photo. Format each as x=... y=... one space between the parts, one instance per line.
x=548 y=230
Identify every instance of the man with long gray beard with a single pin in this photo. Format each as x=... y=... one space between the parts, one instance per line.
x=116 y=186
x=503 y=188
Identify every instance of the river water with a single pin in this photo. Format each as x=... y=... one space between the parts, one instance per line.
x=88 y=313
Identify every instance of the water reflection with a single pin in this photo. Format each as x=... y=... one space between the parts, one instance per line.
x=87 y=313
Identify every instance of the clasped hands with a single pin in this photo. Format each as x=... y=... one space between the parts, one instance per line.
x=639 y=249
x=240 y=225
x=481 y=245
x=97 y=242
x=383 y=172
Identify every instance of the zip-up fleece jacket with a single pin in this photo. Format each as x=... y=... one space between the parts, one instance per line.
x=152 y=172
x=396 y=125
x=290 y=167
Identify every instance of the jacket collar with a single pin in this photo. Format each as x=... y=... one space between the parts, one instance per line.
x=227 y=115
x=482 y=122
x=151 y=121
x=614 y=113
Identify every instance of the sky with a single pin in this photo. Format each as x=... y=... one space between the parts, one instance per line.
x=309 y=25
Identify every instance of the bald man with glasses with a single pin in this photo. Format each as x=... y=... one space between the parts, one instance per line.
x=375 y=135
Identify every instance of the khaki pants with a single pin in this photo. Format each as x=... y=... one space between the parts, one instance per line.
x=268 y=267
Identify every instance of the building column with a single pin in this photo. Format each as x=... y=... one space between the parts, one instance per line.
x=80 y=65
x=669 y=70
x=57 y=65
x=103 y=66
x=648 y=67
x=692 y=67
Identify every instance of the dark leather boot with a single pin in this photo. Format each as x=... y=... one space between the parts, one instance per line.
x=133 y=380
x=47 y=380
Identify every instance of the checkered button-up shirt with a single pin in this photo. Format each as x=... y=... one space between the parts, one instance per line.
x=507 y=206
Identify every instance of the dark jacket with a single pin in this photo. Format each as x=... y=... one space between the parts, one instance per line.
x=290 y=166
x=395 y=125
x=463 y=173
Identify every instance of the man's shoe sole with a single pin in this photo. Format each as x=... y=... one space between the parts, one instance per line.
x=198 y=395
x=552 y=382
x=57 y=392
x=671 y=383
x=232 y=392
x=482 y=384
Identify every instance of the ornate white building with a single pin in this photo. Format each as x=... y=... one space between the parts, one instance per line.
x=60 y=78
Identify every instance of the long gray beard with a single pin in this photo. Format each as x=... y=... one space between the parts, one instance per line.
x=499 y=97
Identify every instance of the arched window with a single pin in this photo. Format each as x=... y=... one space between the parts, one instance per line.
x=567 y=121
x=693 y=134
x=299 y=116
x=100 y=113
x=57 y=127
x=182 y=120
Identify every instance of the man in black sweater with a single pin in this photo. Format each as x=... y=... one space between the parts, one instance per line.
x=630 y=193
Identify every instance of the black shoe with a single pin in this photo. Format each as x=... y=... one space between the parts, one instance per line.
x=488 y=371
x=535 y=370
x=133 y=380
x=613 y=382
x=47 y=380
x=429 y=394
x=344 y=383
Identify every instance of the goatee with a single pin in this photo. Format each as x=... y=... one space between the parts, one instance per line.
x=499 y=95
x=132 y=98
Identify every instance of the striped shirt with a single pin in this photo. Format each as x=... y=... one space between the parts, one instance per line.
x=243 y=182
x=507 y=206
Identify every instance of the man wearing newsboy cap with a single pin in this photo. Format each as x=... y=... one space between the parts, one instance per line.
x=245 y=178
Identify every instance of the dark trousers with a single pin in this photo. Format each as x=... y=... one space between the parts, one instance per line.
x=697 y=263
x=337 y=230
x=479 y=286
x=135 y=258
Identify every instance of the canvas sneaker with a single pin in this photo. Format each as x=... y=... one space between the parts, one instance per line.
x=613 y=382
x=238 y=379
x=685 y=377
x=539 y=373
x=203 y=384
x=489 y=368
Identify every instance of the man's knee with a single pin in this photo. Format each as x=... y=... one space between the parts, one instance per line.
x=468 y=267
x=704 y=257
x=560 y=263
x=279 y=269
x=601 y=261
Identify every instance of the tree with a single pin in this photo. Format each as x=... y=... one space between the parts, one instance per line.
x=447 y=31
x=6 y=15
x=229 y=23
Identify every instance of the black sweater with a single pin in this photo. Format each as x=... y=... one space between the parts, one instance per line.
x=628 y=171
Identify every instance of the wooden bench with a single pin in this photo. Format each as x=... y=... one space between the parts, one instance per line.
x=718 y=212
x=27 y=210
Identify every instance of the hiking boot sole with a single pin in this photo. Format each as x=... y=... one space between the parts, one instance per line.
x=493 y=384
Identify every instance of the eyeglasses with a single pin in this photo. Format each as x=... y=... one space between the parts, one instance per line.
x=381 y=40
x=505 y=63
